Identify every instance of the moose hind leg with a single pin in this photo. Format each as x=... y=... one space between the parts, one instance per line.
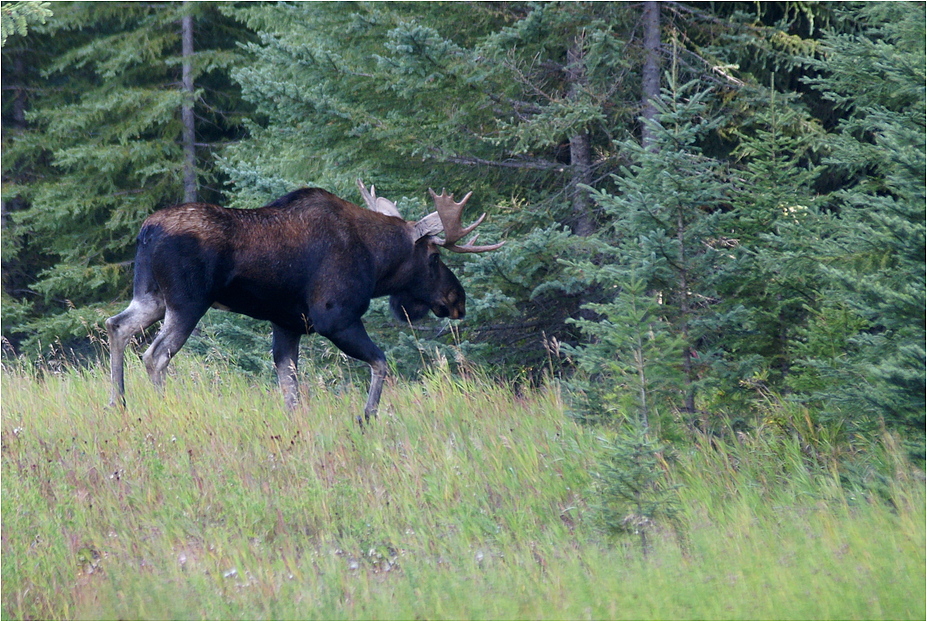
x=139 y=315
x=178 y=325
x=286 y=357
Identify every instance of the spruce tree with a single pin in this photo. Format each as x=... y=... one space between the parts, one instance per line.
x=632 y=495
x=667 y=231
x=770 y=285
x=872 y=250
x=628 y=370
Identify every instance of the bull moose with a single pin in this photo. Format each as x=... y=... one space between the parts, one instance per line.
x=308 y=262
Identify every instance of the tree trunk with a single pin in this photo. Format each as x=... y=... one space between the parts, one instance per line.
x=650 y=75
x=580 y=147
x=189 y=133
x=581 y=160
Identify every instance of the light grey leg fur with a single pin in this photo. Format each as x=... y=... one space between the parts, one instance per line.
x=378 y=371
x=286 y=357
x=139 y=315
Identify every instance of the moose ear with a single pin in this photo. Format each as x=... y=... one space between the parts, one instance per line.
x=377 y=204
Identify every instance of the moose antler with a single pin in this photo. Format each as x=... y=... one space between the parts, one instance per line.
x=447 y=218
x=375 y=204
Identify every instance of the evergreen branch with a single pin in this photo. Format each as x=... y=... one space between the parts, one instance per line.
x=533 y=164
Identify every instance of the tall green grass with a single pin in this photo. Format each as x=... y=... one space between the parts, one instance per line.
x=465 y=500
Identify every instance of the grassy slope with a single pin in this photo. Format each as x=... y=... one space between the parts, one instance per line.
x=462 y=501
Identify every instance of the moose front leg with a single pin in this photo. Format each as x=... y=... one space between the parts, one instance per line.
x=355 y=342
x=377 y=375
x=286 y=357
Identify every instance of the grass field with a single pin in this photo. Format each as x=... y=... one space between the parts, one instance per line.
x=464 y=500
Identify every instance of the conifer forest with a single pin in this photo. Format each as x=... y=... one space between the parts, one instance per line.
x=713 y=216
